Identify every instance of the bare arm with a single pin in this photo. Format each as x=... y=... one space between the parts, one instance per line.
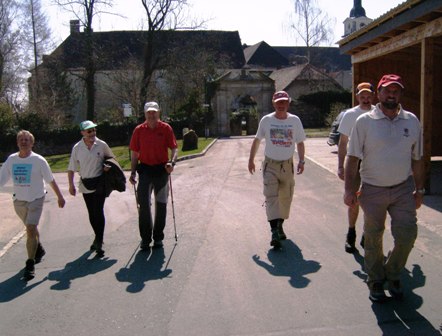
x=300 y=147
x=133 y=167
x=72 y=190
x=417 y=166
x=342 y=152
x=253 y=151
x=61 y=201
x=350 y=178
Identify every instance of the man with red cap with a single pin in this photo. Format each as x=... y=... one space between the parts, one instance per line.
x=388 y=142
x=282 y=132
x=364 y=96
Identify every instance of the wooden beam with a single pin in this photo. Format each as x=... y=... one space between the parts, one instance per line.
x=404 y=40
x=426 y=103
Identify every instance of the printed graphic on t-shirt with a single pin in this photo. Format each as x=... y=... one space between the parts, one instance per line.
x=22 y=174
x=280 y=136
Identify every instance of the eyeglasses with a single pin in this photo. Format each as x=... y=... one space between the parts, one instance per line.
x=91 y=130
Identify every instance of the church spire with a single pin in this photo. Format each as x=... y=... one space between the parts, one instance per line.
x=357 y=10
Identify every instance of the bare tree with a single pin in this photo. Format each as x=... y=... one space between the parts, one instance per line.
x=10 y=59
x=161 y=14
x=311 y=24
x=85 y=11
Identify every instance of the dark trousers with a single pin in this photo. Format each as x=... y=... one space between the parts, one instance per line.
x=95 y=208
x=158 y=184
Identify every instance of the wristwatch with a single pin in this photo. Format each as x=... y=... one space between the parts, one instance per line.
x=302 y=161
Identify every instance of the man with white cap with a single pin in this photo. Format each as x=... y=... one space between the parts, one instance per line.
x=150 y=145
x=364 y=96
x=282 y=132
x=388 y=140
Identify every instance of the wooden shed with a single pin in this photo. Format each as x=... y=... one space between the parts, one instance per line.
x=407 y=40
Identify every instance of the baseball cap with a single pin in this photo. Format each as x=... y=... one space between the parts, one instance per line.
x=151 y=106
x=280 y=95
x=87 y=124
x=364 y=86
x=390 y=79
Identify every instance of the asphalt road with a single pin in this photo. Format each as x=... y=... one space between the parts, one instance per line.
x=221 y=277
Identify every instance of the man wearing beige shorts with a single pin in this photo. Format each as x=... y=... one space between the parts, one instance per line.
x=282 y=131
x=29 y=172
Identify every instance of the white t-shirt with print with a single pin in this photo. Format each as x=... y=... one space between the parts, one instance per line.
x=28 y=176
x=281 y=135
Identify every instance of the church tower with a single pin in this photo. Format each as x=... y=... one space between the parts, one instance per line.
x=357 y=18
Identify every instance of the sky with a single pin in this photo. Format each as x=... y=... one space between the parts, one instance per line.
x=255 y=20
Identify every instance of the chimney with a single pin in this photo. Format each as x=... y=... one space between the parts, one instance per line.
x=75 y=26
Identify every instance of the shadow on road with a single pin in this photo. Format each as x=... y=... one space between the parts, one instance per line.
x=289 y=262
x=15 y=286
x=401 y=317
x=79 y=268
x=146 y=266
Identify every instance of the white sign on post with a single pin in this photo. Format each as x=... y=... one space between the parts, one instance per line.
x=127 y=110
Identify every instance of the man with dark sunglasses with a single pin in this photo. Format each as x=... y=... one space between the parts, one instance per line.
x=87 y=157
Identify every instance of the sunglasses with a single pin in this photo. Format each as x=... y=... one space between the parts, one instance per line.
x=91 y=130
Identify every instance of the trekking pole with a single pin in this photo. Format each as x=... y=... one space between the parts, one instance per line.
x=173 y=207
x=136 y=198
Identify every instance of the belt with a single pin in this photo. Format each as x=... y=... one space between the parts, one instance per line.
x=386 y=187
x=269 y=160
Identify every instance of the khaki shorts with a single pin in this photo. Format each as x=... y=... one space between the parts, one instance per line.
x=29 y=212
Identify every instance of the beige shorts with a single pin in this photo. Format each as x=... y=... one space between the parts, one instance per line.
x=29 y=212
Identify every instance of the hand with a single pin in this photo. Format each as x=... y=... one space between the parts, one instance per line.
x=61 y=202
x=300 y=168
x=132 y=179
x=341 y=173
x=251 y=167
x=72 y=190
x=418 y=198
x=351 y=199
x=169 y=167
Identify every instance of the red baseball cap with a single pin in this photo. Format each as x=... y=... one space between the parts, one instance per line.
x=390 y=79
x=280 y=95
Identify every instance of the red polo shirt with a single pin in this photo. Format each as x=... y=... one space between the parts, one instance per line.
x=153 y=144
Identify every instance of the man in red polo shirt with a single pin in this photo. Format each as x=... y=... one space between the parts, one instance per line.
x=150 y=144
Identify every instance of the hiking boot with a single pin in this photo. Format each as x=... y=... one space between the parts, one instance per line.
x=395 y=289
x=362 y=241
x=377 y=293
x=275 y=242
x=281 y=232
x=350 y=241
x=39 y=253
x=29 y=269
x=158 y=244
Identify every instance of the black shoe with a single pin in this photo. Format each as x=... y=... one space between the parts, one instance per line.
x=395 y=289
x=377 y=293
x=281 y=232
x=144 y=245
x=94 y=245
x=39 y=253
x=350 y=241
x=275 y=242
x=158 y=244
x=29 y=270
x=362 y=241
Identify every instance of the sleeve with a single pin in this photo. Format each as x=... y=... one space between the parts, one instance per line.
x=260 y=133
x=344 y=127
x=108 y=151
x=134 y=141
x=355 y=145
x=5 y=172
x=73 y=166
x=172 y=140
x=46 y=171
x=300 y=133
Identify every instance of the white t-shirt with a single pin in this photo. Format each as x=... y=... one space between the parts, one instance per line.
x=281 y=135
x=89 y=162
x=386 y=146
x=349 y=119
x=28 y=176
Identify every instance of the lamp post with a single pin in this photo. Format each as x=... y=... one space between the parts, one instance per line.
x=127 y=113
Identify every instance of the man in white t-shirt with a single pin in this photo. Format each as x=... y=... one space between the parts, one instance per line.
x=29 y=172
x=282 y=131
x=364 y=96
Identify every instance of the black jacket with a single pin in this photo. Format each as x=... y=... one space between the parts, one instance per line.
x=114 y=179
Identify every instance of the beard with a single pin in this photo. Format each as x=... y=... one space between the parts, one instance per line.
x=390 y=105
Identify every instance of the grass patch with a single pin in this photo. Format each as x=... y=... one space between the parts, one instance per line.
x=59 y=163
